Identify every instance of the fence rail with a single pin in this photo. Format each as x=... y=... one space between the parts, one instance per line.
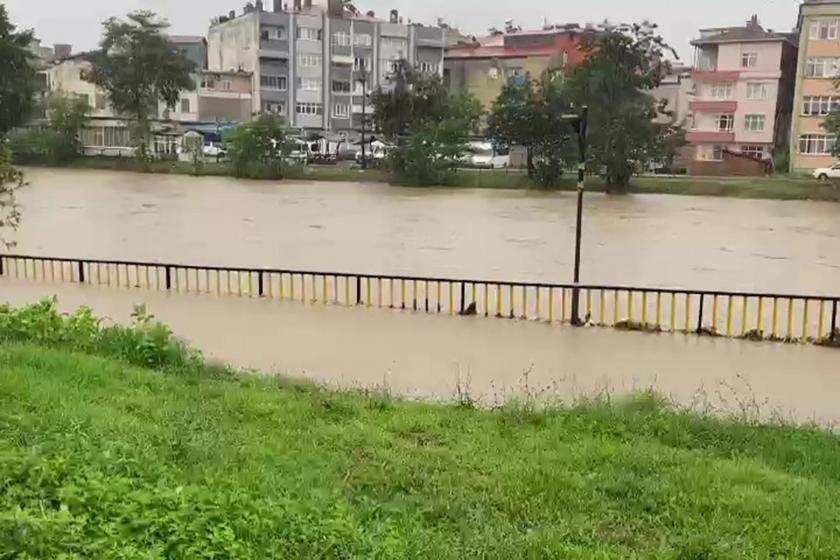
x=757 y=316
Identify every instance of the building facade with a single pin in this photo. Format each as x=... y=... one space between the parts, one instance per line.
x=740 y=107
x=482 y=67
x=817 y=95
x=309 y=61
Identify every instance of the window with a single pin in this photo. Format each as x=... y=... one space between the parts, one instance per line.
x=107 y=137
x=309 y=60
x=706 y=152
x=432 y=68
x=816 y=144
x=749 y=60
x=725 y=122
x=208 y=83
x=310 y=109
x=717 y=152
x=185 y=105
x=821 y=106
x=273 y=33
x=273 y=82
x=309 y=84
x=821 y=67
x=274 y=107
x=363 y=40
x=756 y=90
x=361 y=63
x=227 y=85
x=309 y=34
x=753 y=151
x=341 y=86
x=754 y=123
x=826 y=29
x=394 y=44
x=100 y=102
x=722 y=90
x=341 y=39
x=341 y=111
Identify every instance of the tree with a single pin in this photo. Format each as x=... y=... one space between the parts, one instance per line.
x=17 y=76
x=621 y=65
x=59 y=141
x=138 y=67
x=10 y=180
x=429 y=126
x=255 y=149
x=511 y=119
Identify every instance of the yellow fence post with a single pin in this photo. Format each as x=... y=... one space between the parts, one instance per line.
x=805 y=320
x=629 y=307
x=687 y=313
x=821 y=326
x=759 y=324
x=486 y=300
x=644 y=309
x=451 y=299
x=615 y=307
x=714 y=314
x=790 y=319
x=729 y=317
x=512 y=302
x=673 y=312
x=539 y=314
x=550 y=305
x=744 y=326
x=659 y=310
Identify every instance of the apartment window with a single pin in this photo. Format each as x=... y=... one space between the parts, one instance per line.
x=394 y=44
x=207 y=83
x=99 y=102
x=757 y=90
x=309 y=60
x=826 y=29
x=273 y=33
x=309 y=34
x=185 y=105
x=432 y=68
x=725 y=122
x=821 y=67
x=273 y=82
x=274 y=107
x=813 y=106
x=753 y=151
x=341 y=39
x=341 y=86
x=722 y=90
x=310 y=109
x=717 y=152
x=816 y=144
x=341 y=111
x=362 y=63
x=749 y=60
x=754 y=123
x=309 y=84
x=706 y=152
x=363 y=40
x=227 y=85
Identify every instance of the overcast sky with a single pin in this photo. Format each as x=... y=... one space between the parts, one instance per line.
x=78 y=21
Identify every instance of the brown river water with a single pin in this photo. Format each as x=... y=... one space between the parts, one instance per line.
x=370 y=228
x=659 y=241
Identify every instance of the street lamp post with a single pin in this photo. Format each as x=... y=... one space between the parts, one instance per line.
x=362 y=78
x=580 y=122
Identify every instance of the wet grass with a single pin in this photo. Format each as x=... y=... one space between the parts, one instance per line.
x=102 y=459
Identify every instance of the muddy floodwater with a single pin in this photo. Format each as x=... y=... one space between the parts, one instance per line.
x=659 y=241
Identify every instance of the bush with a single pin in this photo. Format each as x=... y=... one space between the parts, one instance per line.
x=41 y=146
x=255 y=149
x=145 y=343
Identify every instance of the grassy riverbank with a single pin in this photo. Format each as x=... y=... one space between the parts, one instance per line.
x=101 y=458
x=776 y=188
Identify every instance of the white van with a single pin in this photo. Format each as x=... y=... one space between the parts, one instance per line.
x=487 y=155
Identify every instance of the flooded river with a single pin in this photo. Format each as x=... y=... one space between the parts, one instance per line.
x=694 y=242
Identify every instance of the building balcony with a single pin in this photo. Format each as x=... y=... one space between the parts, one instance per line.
x=342 y=60
x=713 y=106
x=705 y=137
x=715 y=75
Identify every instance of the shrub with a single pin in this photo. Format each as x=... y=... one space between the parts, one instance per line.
x=255 y=149
x=145 y=343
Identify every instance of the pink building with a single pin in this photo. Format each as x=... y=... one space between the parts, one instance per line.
x=740 y=108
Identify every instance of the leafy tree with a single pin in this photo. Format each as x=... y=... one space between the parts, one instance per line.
x=59 y=141
x=10 y=180
x=138 y=67
x=429 y=126
x=622 y=64
x=17 y=76
x=255 y=149
x=511 y=119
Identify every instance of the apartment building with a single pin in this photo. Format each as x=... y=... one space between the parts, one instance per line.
x=312 y=62
x=219 y=97
x=740 y=108
x=482 y=67
x=817 y=94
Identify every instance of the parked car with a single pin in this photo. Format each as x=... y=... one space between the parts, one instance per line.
x=826 y=173
x=487 y=155
x=214 y=150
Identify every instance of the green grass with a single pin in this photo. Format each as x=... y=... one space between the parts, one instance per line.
x=99 y=459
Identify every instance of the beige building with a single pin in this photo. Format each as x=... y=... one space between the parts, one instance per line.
x=816 y=84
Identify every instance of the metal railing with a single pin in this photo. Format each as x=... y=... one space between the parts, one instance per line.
x=756 y=316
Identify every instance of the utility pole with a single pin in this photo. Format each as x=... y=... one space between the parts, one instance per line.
x=362 y=77
x=580 y=122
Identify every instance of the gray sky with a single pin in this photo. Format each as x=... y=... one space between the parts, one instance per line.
x=78 y=21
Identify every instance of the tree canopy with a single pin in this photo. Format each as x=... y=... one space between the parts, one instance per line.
x=256 y=149
x=17 y=76
x=622 y=65
x=138 y=67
